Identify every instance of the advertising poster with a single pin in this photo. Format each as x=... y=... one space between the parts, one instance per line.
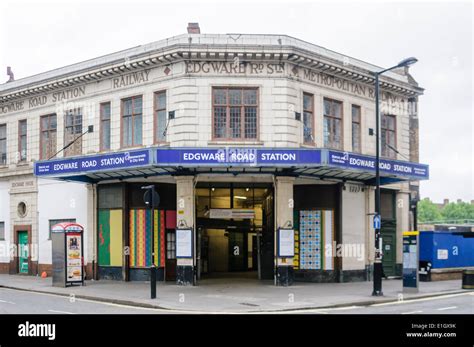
x=73 y=258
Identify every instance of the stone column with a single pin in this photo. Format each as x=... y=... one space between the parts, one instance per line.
x=284 y=218
x=90 y=248
x=370 y=238
x=403 y=224
x=185 y=218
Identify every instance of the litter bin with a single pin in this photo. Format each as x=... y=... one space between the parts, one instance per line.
x=468 y=279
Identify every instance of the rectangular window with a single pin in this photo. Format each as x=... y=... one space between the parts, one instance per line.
x=388 y=133
x=356 y=129
x=235 y=113
x=48 y=136
x=73 y=130
x=170 y=245
x=2 y=231
x=132 y=121
x=105 y=126
x=53 y=222
x=160 y=117
x=22 y=133
x=3 y=144
x=332 y=124
x=110 y=196
x=308 y=118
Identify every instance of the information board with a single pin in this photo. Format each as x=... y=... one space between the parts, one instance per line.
x=286 y=242
x=184 y=243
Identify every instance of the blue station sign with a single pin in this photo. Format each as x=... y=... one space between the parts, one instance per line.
x=237 y=156
x=291 y=158
x=367 y=163
x=94 y=163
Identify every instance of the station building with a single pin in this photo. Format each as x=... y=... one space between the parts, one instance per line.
x=241 y=135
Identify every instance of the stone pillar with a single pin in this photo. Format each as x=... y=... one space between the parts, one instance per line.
x=185 y=218
x=90 y=248
x=403 y=224
x=284 y=218
x=370 y=239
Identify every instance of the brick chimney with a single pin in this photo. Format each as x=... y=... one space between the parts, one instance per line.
x=193 y=28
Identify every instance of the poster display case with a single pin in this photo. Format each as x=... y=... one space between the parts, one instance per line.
x=68 y=254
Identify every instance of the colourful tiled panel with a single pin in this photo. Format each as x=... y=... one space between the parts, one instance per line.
x=310 y=239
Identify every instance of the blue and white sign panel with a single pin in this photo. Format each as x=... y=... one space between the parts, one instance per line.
x=95 y=163
x=377 y=222
x=237 y=156
x=367 y=163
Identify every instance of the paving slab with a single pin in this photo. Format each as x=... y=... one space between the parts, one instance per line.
x=232 y=294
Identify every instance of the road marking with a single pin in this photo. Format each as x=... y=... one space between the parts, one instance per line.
x=319 y=310
x=105 y=303
x=62 y=312
x=412 y=312
x=342 y=308
x=421 y=299
x=447 y=308
x=8 y=302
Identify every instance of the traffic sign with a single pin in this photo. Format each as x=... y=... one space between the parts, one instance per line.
x=377 y=221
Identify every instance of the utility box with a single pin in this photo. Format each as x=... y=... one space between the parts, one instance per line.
x=68 y=254
x=410 y=261
x=444 y=255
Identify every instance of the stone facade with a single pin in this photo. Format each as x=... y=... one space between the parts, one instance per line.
x=187 y=67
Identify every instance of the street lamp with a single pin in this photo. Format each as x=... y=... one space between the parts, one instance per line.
x=377 y=291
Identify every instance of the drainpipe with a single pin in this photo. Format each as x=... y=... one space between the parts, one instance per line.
x=195 y=260
x=37 y=232
x=275 y=260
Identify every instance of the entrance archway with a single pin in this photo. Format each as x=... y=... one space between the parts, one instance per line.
x=235 y=230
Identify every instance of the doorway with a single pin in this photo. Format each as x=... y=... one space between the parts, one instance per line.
x=235 y=236
x=388 y=232
x=22 y=261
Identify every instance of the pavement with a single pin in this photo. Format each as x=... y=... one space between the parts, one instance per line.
x=233 y=295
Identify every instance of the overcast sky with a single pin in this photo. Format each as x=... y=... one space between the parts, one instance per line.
x=39 y=36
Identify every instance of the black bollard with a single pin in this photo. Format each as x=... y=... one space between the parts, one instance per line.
x=153 y=281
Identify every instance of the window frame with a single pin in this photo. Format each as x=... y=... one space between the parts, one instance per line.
x=6 y=145
x=3 y=237
x=360 y=128
x=133 y=144
x=313 y=119
x=386 y=130
x=333 y=100
x=170 y=250
x=75 y=112
x=42 y=156
x=20 y=135
x=242 y=114
x=101 y=142
x=155 y=114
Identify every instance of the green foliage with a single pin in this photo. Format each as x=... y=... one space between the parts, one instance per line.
x=428 y=211
x=452 y=212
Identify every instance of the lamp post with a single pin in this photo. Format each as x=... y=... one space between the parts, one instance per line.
x=151 y=190
x=377 y=290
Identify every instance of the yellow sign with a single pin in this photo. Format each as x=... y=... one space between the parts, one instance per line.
x=411 y=233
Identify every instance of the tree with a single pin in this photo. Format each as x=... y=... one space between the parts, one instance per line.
x=458 y=211
x=428 y=211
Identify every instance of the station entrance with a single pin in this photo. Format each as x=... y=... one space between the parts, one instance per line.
x=235 y=230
